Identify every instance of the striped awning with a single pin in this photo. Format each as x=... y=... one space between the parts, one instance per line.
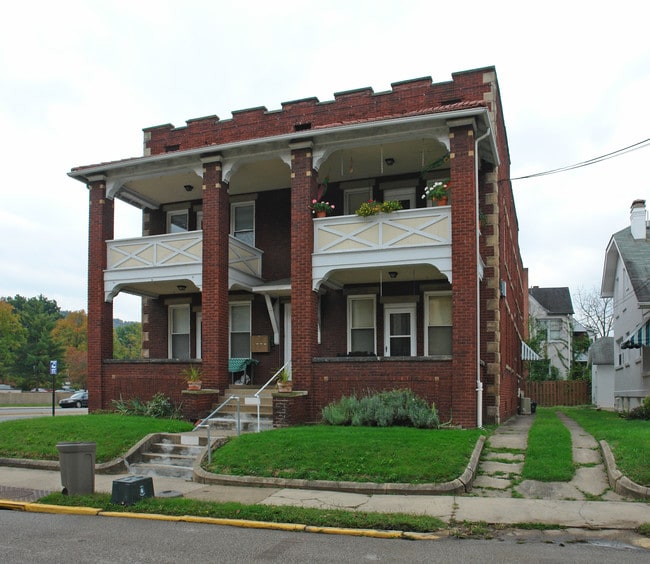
x=640 y=337
x=527 y=353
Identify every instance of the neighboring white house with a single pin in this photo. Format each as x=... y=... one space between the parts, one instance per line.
x=626 y=279
x=601 y=359
x=552 y=310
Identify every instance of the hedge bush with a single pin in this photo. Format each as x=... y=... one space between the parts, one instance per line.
x=384 y=409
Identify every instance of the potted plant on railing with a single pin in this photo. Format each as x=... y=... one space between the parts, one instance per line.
x=192 y=376
x=372 y=207
x=321 y=209
x=284 y=383
x=438 y=192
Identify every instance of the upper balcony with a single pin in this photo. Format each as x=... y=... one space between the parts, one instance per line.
x=406 y=239
x=162 y=264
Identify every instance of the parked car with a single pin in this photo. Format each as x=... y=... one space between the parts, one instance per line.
x=78 y=399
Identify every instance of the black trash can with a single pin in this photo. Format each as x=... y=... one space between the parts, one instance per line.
x=533 y=407
x=77 y=463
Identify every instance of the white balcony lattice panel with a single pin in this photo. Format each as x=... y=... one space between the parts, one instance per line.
x=403 y=229
x=407 y=237
x=156 y=251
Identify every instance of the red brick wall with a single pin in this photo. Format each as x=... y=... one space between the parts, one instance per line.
x=216 y=228
x=100 y=329
x=430 y=379
x=465 y=275
x=409 y=97
x=304 y=301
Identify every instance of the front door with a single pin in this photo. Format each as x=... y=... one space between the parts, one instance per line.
x=399 y=330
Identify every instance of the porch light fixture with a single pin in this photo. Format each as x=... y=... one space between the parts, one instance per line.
x=390 y=161
x=392 y=274
x=181 y=287
x=188 y=187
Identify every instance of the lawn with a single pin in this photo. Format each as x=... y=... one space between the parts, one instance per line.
x=114 y=434
x=360 y=454
x=628 y=439
x=549 y=457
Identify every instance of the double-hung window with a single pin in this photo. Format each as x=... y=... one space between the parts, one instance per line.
x=437 y=323
x=362 y=324
x=242 y=222
x=179 y=332
x=240 y=330
x=354 y=197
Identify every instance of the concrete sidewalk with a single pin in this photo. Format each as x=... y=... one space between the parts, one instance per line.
x=23 y=484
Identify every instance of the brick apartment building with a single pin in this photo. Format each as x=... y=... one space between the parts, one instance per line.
x=233 y=263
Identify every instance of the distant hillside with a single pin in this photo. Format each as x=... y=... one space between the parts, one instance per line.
x=120 y=322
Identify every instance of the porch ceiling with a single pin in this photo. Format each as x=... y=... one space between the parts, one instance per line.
x=404 y=273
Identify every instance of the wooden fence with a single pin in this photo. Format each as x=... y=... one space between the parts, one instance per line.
x=559 y=392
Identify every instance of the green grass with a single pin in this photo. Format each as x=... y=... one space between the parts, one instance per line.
x=114 y=434
x=629 y=439
x=549 y=456
x=267 y=513
x=360 y=454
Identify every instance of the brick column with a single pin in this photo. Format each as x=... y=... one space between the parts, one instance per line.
x=464 y=255
x=100 y=313
x=304 y=302
x=214 y=307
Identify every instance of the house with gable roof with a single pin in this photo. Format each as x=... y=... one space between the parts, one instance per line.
x=235 y=270
x=552 y=312
x=626 y=279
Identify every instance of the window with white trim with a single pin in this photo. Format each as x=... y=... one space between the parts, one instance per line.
x=354 y=197
x=437 y=323
x=362 y=324
x=242 y=222
x=179 y=331
x=240 y=330
x=177 y=221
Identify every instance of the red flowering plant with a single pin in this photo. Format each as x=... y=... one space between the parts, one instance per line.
x=319 y=206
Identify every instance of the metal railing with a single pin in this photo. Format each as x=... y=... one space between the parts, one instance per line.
x=205 y=423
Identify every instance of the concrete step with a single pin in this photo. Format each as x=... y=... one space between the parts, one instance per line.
x=163 y=470
x=168 y=459
x=172 y=449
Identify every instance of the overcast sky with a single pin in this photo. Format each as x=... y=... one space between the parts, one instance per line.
x=80 y=80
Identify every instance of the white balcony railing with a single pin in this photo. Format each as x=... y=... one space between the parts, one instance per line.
x=404 y=237
x=173 y=256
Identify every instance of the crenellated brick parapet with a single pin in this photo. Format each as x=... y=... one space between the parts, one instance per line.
x=469 y=89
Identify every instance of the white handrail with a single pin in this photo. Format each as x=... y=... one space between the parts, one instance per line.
x=286 y=365
x=203 y=424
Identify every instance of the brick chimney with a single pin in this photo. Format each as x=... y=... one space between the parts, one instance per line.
x=638 y=219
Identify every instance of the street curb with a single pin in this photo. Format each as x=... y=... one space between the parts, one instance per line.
x=621 y=484
x=242 y=523
x=460 y=485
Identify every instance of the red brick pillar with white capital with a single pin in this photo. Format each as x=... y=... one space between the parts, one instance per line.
x=100 y=312
x=214 y=305
x=465 y=277
x=304 y=301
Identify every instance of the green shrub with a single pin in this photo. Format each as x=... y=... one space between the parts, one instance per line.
x=641 y=412
x=159 y=407
x=384 y=409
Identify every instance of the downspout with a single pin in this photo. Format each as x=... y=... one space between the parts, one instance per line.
x=479 y=383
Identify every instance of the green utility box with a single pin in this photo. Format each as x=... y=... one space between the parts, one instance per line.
x=130 y=490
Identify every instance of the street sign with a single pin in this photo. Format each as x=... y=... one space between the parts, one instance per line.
x=53 y=367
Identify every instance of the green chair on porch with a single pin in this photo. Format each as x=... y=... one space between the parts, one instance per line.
x=236 y=365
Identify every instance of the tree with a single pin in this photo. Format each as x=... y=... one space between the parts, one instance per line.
x=71 y=333
x=127 y=341
x=12 y=338
x=594 y=312
x=38 y=317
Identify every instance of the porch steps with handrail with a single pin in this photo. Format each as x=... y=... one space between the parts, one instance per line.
x=169 y=455
x=227 y=416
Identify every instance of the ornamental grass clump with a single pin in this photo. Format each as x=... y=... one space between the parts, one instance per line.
x=385 y=409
